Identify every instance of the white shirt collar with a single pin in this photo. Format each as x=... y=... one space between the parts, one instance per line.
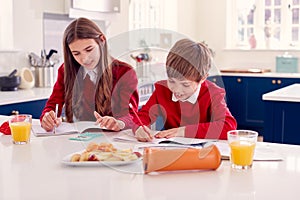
x=192 y=99
x=92 y=73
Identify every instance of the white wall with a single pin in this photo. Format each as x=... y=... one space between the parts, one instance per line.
x=197 y=19
x=211 y=27
x=28 y=27
x=187 y=18
x=28 y=22
x=116 y=23
x=27 y=35
x=6 y=27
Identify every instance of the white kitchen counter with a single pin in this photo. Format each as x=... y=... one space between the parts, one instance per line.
x=290 y=93
x=268 y=74
x=34 y=94
x=20 y=96
x=35 y=171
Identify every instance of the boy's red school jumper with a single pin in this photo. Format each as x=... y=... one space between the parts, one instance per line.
x=209 y=117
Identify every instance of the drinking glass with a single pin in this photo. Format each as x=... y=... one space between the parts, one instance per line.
x=20 y=126
x=242 y=145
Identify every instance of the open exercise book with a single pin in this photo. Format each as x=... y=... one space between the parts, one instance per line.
x=68 y=128
x=263 y=151
x=127 y=136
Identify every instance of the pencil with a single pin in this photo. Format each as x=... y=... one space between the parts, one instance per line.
x=139 y=119
x=56 y=114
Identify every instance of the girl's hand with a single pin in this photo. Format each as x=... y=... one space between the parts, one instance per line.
x=49 y=121
x=144 y=135
x=174 y=132
x=109 y=122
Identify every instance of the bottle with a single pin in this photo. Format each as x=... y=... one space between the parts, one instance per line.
x=252 y=41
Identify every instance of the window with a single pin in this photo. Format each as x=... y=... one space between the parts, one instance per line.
x=145 y=14
x=264 y=24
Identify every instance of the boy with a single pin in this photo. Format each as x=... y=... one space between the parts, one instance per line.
x=190 y=105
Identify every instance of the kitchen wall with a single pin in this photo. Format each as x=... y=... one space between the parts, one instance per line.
x=6 y=27
x=197 y=19
x=27 y=28
x=211 y=27
x=27 y=31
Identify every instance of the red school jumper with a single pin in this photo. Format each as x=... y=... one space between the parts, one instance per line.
x=124 y=91
x=209 y=117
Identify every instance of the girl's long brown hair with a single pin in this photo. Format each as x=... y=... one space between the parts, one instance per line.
x=83 y=28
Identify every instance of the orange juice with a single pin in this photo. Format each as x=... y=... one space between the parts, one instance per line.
x=20 y=131
x=242 y=152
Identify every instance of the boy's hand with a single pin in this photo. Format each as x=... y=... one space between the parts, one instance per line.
x=144 y=135
x=174 y=132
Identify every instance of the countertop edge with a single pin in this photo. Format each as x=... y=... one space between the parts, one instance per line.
x=289 y=93
x=267 y=74
x=22 y=95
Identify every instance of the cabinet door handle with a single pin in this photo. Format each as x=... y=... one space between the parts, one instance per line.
x=278 y=82
x=15 y=112
x=273 y=81
x=239 y=80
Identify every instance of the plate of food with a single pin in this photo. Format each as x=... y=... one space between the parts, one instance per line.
x=103 y=154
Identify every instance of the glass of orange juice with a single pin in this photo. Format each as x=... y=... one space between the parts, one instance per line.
x=20 y=126
x=242 y=145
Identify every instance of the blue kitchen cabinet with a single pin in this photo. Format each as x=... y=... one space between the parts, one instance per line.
x=217 y=79
x=235 y=87
x=244 y=98
x=254 y=106
x=281 y=123
x=30 y=107
x=255 y=88
x=235 y=97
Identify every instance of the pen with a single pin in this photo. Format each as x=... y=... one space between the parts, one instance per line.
x=56 y=113
x=141 y=123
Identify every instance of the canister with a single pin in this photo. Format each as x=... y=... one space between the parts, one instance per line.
x=286 y=63
x=39 y=76
x=48 y=76
x=44 y=76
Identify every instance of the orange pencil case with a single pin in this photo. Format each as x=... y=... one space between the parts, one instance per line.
x=164 y=159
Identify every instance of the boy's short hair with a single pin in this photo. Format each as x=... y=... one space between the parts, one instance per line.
x=188 y=59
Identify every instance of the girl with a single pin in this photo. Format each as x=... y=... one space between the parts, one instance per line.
x=91 y=85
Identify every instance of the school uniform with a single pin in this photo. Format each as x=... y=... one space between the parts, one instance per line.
x=205 y=114
x=124 y=91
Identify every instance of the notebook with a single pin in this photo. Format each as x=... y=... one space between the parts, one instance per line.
x=127 y=136
x=263 y=152
x=68 y=128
